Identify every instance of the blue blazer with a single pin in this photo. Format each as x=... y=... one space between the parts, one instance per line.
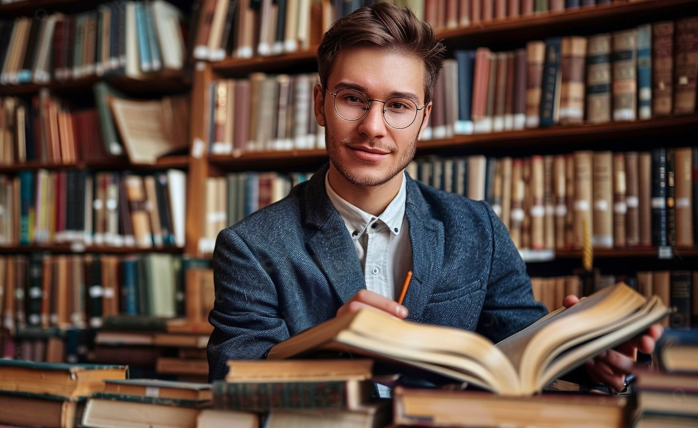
x=291 y=265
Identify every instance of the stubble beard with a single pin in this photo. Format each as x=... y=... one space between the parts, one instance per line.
x=365 y=181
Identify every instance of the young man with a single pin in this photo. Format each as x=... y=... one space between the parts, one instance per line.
x=347 y=238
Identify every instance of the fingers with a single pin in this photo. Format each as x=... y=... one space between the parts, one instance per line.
x=600 y=372
x=570 y=300
x=369 y=299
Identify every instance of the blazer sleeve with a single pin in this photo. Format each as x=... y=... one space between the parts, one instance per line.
x=245 y=316
x=509 y=304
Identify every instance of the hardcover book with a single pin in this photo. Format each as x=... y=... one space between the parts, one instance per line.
x=522 y=364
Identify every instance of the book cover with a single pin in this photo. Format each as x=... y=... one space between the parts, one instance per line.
x=550 y=87
x=583 y=196
x=680 y=298
x=60 y=379
x=441 y=408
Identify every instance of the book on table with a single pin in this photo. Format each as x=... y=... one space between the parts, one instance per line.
x=519 y=365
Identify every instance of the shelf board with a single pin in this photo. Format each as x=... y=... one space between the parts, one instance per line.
x=609 y=253
x=590 y=20
x=80 y=248
x=270 y=159
x=167 y=81
x=243 y=66
x=567 y=133
x=179 y=161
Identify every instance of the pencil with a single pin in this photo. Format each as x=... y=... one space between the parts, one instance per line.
x=405 y=286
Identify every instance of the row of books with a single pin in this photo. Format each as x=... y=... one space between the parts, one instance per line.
x=83 y=207
x=51 y=129
x=80 y=291
x=243 y=29
x=262 y=113
x=677 y=289
x=626 y=75
x=120 y=38
x=231 y=198
x=447 y=15
x=624 y=199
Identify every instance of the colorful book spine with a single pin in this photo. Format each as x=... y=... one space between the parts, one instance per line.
x=662 y=68
x=644 y=71
x=598 y=86
x=658 y=201
x=624 y=63
x=550 y=89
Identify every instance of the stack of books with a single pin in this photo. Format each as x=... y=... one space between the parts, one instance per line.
x=50 y=394
x=668 y=397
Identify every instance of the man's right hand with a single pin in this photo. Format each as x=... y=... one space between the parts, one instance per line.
x=369 y=299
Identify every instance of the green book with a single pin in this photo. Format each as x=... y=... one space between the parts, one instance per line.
x=112 y=142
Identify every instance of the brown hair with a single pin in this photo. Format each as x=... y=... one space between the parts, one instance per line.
x=386 y=26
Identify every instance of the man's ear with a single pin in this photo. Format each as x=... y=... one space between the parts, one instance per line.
x=319 y=105
x=425 y=122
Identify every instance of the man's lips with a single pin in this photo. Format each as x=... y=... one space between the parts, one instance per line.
x=370 y=150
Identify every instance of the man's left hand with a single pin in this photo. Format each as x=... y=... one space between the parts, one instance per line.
x=612 y=366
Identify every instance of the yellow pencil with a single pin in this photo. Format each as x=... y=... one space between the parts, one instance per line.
x=405 y=286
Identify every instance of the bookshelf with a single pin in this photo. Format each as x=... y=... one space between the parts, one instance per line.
x=499 y=35
x=69 y=260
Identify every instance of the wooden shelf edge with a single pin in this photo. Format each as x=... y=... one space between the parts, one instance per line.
x=179 y=161
x=77 y=248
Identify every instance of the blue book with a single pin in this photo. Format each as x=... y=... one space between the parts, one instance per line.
x=129 y=285
x=572 y=4
x=466 y=64
x=251 y=193
x=155 y=55
x=26 y=206
x=144 y=56
x=644 y=71
x=550 y=95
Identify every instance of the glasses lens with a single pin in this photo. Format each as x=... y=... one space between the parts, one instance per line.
x=399 y=112
x=350 y=104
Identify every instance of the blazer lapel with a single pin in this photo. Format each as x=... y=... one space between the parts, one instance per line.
x=427 y=237
x=329 y=242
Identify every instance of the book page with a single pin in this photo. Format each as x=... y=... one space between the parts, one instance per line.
x=143 y=129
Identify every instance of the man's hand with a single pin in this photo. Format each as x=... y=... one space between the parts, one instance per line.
x=369 y=299
x=611 y=366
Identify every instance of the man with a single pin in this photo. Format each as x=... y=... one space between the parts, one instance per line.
x=347 y=238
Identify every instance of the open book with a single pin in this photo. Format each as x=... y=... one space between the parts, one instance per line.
x=519 y=365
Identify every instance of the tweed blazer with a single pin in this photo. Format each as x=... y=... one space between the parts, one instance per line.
x=291 y=265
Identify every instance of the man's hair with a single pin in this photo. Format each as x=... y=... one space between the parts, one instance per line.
x=385 y=26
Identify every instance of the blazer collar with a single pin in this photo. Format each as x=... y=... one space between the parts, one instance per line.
x=329 y=242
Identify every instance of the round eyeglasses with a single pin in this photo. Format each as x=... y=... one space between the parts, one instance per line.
x=398 y=113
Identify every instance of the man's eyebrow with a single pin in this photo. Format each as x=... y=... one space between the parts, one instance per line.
x=363 y=89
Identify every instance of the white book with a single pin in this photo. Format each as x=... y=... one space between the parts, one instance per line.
x=177 y=192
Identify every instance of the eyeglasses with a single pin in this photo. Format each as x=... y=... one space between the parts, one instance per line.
x=398 y=113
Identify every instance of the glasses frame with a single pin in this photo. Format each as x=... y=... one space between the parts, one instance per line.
x=368 y=106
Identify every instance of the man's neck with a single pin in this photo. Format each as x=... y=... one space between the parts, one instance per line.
x=371 y=199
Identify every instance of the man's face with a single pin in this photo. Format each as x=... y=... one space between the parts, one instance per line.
x=368 y=152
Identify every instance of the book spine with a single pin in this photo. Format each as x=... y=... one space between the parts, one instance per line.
x=624 y=62
x=572 y=64
x=264 y=396
x=466 y=62
x=620 y=207
x=598 y=86
x=602 y=183
x=645 y=174
x=644 y=71
x=658 y=201
x=670 y=197
x=662 y=68
x=535 y=58
x=685 y=65
x=632 y=201
x=680 y=289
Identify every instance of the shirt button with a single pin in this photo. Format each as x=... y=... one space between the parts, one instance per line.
x=376 y=271
x=374 y=225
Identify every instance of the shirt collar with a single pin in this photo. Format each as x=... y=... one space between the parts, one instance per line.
x=358 y=221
